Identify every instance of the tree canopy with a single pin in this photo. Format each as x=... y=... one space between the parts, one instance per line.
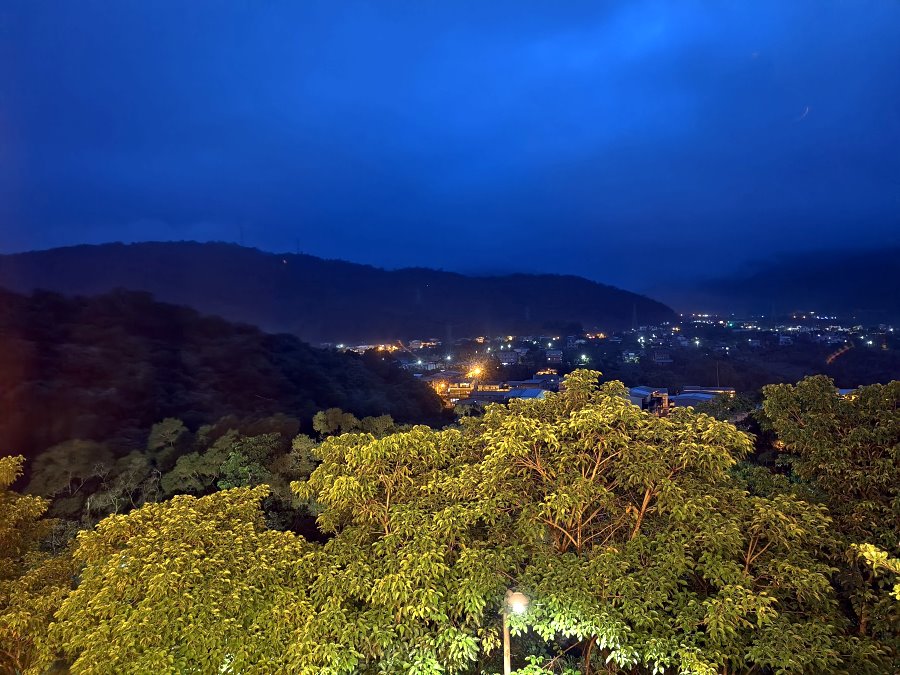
x=32 y=583
x=626 y=529
x=639 y=547
x=846 y=451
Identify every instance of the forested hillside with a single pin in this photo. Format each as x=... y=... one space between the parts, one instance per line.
x=331 y=300
x=106 y=368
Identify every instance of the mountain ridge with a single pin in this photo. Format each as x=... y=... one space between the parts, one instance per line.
x=330 y=300
x=860 y=283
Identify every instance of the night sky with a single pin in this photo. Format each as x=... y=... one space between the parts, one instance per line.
x=616 y=140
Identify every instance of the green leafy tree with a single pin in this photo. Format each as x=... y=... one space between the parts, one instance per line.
x=131 y=482
x=847 y=451
x=232 y=460
x=848 y=446
x=191 y=585
x=68 y=472
x=297 y=464
x=333 y=421
x=166 y=441
x=195 y=472
x=881 y=561
x=731 y=408
x=628 y=532
x=379 y=426
x=32 y=583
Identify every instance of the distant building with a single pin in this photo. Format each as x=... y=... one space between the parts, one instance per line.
x=528 y=393
x=660 y=357
x=714 y=391
x=831 y=339
x=424 y=344
x=548 y=383
x=466 y=393
x=690 y=399
x=651 y=399
x=509 y=358
x=410 y=362
x=572 y=341
x=631 y=356
x=459 y=389
x=554 y=355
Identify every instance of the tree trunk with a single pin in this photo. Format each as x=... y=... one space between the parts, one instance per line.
x=586 y=659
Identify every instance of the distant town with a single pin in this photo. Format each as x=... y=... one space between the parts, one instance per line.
x=479 y=370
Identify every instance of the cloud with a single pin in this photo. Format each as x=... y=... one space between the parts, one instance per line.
x=593 y=138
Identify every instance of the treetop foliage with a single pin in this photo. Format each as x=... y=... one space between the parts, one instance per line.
x=639 y=545
x=626 y=529
x=846 y=450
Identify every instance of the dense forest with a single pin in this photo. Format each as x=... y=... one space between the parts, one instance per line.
x=642 y=544
x=107 y=368
x=331 y=300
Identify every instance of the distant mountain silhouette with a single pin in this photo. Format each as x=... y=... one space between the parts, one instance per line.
x=857 y=283
x=330 y=300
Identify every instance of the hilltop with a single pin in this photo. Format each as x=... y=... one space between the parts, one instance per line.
x=331 y=300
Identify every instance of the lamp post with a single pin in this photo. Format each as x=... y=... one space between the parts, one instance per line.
x=516 y=603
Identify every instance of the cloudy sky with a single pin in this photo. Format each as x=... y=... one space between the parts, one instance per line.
x=615 y=140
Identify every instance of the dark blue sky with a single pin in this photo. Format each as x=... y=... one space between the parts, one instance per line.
x=617 y=141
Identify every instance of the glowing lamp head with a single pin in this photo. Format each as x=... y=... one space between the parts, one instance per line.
x=516 y=602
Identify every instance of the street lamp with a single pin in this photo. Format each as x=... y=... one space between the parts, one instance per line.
x=516 y=603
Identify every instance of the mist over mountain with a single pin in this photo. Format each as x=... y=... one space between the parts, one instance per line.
x=853 y=283
x=331 y=300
